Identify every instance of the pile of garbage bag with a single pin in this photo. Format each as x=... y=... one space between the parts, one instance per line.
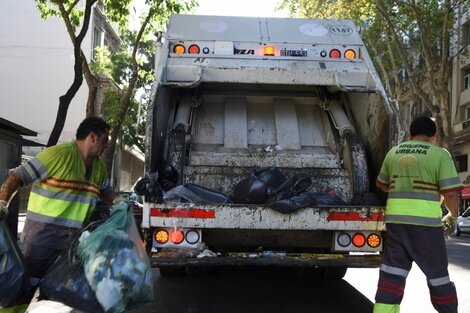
x=14 y=279
x=266 y=185
x=65 y=282
x=115 y=262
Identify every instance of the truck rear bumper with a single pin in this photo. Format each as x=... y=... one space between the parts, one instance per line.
x=287 y=260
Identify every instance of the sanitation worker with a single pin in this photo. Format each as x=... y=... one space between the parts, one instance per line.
x=415 y=174
x=67 y=181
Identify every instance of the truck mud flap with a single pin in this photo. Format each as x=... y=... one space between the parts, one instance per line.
x=290 y=260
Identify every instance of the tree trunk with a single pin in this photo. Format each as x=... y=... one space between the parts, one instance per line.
x=65 y=100
x=126 y=100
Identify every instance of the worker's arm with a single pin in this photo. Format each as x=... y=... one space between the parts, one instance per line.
x=451 y=201
x=382 y=186
x=10 y=186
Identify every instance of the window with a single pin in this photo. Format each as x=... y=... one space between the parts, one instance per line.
x=466 y=79
x=461 y=163
x=466 y=34
x=96 y=40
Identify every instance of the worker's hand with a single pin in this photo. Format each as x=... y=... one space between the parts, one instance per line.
x=450 y=223
x=3 y=209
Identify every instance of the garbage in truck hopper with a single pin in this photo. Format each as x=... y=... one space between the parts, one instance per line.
x=266 y=186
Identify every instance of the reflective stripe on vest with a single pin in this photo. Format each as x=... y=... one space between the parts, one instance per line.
x=413 y=211
x=414 y=220
x=414 y=195
x=62 y=202
x=54 y=220
x=443 y=183
x=35 y=170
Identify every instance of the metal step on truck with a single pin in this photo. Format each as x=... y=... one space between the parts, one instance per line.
x=237 y=94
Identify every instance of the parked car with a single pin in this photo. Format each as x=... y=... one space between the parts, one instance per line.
x=463 y=223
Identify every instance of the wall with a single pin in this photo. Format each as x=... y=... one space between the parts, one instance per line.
x=36 y=58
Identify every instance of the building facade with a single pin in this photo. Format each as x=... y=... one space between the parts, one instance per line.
x=460 y=95
x=36 y=58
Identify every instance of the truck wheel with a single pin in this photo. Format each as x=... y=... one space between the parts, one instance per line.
x=335 y=272
x=172 y=271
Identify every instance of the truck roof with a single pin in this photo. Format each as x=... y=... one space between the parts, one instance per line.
x=262 y=29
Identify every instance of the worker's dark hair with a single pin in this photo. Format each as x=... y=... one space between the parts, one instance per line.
x=89 y=125
x=423 y=125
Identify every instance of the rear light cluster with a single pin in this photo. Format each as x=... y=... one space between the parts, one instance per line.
x=349 y=54
x=176 y=236
x=192 y=49
x=268 y=50
x=358 y=241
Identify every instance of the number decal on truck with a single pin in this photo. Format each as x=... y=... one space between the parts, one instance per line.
x=341 y=30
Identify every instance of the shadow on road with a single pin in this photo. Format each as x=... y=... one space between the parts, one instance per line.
x=255 y=290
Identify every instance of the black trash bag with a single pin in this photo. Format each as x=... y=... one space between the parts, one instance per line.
x=101 y=212
x=167 y=176
x=65 y=282
x=293 y=203
x=149 y=187
x=293 y=186
x=256 y=187
x=192 y=193
x=14 y=278
x=327 y=199
x=292 y=195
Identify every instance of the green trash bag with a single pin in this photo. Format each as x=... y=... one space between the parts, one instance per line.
x=115 y=262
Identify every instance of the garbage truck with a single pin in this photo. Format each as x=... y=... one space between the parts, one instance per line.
x=233 y=95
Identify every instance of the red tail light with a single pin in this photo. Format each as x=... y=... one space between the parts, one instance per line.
x=194 y=49
x=176 y=236
x=335 y=53
x=359 y=240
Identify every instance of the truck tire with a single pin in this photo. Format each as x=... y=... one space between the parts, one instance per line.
x=172 y=271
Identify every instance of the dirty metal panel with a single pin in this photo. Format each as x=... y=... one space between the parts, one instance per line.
x=311 y=125
x=259 y=158
x=235 y=135
x=226 y=28
x=275 y=71
x=182 y=73
x=209 y=127
x=295 y=260
x=287 y=128
x=261 y=130
x=257 y=217
x=314 y=31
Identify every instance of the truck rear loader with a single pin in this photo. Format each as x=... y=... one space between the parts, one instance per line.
x=236 y=94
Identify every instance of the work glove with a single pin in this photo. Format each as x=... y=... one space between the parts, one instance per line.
x=3 y=209
x=450 y=223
